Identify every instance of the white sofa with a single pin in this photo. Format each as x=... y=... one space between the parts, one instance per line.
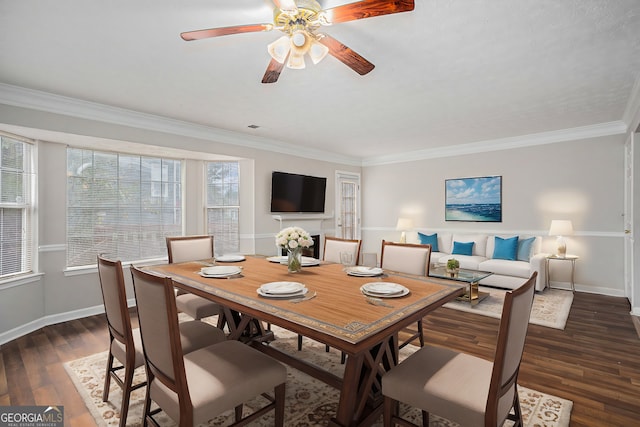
x=508 y=274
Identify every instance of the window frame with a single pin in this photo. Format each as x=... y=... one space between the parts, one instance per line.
x=29 y=223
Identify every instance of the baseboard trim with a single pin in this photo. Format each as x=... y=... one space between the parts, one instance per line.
x=636 y=323
x=36 y=324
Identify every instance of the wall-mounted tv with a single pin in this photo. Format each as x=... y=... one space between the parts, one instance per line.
x=297 y=193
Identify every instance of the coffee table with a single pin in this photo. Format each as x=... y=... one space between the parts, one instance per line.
x=471 y=277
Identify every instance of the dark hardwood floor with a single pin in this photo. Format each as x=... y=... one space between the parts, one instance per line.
x=595 y=361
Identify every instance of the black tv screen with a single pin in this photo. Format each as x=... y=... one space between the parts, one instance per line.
x=297 y=193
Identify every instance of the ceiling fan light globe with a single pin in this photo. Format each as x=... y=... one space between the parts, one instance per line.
x=299 y=39
x=317 y=52
x=296 y=61
x=279 y=49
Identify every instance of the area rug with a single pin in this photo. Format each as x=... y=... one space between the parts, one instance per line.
x=550 y=307
x=309 y=402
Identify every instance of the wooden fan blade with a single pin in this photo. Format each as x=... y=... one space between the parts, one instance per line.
x=286 y=5
x=350 y=58
x=367 y=9
x=225 y=31
x=273 y=71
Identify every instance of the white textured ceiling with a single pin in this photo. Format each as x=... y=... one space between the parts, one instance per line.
x=451 y=72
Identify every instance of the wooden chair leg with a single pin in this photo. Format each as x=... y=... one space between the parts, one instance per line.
x=425 y=419
x=107 y=378
x=126 y=394
x=299 y=342
x=238 y=412
x=420 y=333
x=389 y=412
x=280 y=400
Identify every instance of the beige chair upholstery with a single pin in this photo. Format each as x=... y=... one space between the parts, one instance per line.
x=464 y=388
x=193 y=388
x=193 y=248
x=334 y=245
x=125 y=344
x=331 y=253
x=407 y=258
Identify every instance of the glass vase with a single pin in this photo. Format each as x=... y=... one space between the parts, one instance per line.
x=294 y=260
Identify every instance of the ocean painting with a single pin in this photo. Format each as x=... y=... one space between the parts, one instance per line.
x=474 y=199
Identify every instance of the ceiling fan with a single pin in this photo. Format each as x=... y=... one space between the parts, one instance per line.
x=300 y=21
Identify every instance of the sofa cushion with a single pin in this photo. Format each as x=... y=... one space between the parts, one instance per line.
x=429 y=239
x=479 y=240
x=505 y=267
x=505 y=248
x=462 y=248
x=467 y=262
x=525 y=248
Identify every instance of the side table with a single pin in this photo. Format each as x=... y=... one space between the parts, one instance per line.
x=570 y=258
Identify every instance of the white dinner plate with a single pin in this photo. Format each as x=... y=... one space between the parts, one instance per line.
x=299 y=293
x=362 y=271
x=220 y=271
x=277 y=288
x=384 y=290
x=306 y=261
x=230 y=258
x=282 y=289
x=278 y=259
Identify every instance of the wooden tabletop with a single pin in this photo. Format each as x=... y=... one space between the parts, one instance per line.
x=339 y=315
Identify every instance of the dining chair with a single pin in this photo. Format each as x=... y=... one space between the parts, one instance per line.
x=466 y=389
x=193 y=248
x=193 y=388
x=333 y=246
x=125 y=344
x=409 y=258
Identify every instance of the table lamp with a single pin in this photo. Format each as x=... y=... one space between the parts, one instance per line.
x=403 y=225
x=560 y=228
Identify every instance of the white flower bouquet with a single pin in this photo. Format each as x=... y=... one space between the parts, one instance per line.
x=293 y=238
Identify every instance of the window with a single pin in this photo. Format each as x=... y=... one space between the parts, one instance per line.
x=223 y=206
x=16 y=180
x=120 y=205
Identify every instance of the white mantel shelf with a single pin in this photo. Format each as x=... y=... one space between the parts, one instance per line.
x=301 y=217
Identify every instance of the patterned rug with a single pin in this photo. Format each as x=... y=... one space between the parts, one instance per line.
x=309 y=402
x=550 y=307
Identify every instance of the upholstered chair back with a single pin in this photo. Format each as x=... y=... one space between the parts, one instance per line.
x=158 y=318
x=511 y=338
x=189 y=248
x=406 y=258
x=334 y=245
x=115 y=298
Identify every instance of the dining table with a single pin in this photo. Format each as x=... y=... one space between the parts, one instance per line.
x=334 y=311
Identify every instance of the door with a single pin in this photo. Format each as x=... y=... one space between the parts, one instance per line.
x=347 y=205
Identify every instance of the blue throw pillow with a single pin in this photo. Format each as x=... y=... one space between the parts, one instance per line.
x=525 y=247
x=429 y=239
x=462 y=248
x=506 y=248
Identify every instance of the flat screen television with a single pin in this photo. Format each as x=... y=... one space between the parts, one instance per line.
x=297 y=193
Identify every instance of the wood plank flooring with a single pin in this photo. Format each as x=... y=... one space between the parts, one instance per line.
x=595 y=361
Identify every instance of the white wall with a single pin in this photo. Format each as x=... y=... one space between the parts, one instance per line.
x=579 y=180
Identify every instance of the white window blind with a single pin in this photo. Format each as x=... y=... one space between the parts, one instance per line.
x=16 y=202
x=223 y=206
x=120 y=205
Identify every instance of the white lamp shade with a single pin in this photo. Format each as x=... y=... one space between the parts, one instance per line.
x=561 y=227
x=317 y=51
x=404 y=224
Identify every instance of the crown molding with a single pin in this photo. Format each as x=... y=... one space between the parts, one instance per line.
x=43 y=101
x=577 y=133
x=631 y=114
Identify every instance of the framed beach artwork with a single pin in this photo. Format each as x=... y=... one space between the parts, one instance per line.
x=473 y=199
